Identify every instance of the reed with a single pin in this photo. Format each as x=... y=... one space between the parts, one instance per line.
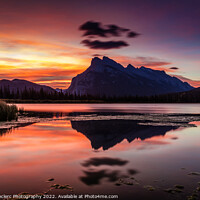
x=8 y=112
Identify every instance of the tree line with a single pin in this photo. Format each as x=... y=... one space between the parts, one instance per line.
x=32 y=94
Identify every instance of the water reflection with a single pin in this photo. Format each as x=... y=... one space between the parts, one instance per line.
x=26 y=119
x=9 y=127
x=4 y=131
x=104 y=161
x=54 y=149
x=94 y=176
x=108 y=133
x=122 y=107
x=105 y=130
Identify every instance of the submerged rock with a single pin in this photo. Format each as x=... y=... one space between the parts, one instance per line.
x=149 y=187
x=179 y=186
x=170 y=190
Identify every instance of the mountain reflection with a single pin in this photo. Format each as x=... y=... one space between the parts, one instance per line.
x=105 y=130
x=108 y=133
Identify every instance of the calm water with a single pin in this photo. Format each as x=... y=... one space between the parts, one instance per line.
x=135 y=108
x=93 y=155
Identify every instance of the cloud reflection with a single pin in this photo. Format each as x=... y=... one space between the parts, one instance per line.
x=104 y=161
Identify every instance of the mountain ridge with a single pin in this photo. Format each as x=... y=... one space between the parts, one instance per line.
x=105 y=77
x=20 y=85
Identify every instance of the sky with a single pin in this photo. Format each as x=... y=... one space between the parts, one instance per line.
x=51 y=41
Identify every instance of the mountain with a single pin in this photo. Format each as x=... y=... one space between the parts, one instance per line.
x=18 y=84
x=105 y=77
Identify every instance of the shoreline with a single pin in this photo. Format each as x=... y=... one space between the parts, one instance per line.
x=150 y=119
x=86 y=101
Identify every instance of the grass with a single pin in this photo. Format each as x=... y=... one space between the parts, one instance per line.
x=8 y=112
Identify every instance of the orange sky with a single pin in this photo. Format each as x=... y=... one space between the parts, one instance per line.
x=40 y=42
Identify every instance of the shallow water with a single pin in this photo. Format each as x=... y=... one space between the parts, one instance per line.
x=134 y=108
x=93 y=154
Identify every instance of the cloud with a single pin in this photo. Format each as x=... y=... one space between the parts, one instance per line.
x=115 y=30
x=132 y=34
x=138 y=61
x=151 y=61
x=96 y=29
x=49 y=48
x=96 y=55
x=194 y=83
x=174 y=68
x=40 y=73
x=13 y=43
x=96 y=44
x=47 y=75
x=92 y=28
x=12 y=60
x=62 y=84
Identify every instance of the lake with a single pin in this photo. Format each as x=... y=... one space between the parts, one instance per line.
x=135 y=151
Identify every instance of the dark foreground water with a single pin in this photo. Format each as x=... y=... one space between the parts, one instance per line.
x=135 y=151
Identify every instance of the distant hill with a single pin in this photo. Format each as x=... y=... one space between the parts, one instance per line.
x=105 y=77
x=194 y=92
x=20 y=85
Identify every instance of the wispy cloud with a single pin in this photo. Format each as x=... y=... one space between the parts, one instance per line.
x=138 y=61
x=194 y=83
x=52 y=76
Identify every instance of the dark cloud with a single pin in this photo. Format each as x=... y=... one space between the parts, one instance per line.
x=96 y=44
x=96 y=29
x=175 y=68
x=115 y=30
x=132 y=34
x=104 y=161
x=92 y=28
x=174 y=138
